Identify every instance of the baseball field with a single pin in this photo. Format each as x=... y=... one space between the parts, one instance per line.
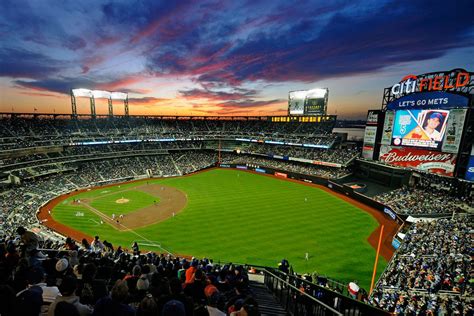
x=231 y=216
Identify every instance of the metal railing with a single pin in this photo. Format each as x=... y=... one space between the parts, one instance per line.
x=303 y=298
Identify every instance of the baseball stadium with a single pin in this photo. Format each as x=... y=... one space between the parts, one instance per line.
x=110 y=208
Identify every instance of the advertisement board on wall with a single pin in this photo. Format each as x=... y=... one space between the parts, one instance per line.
x=369 y=142
x=387 y=128
x=389 y=212
x=396 y=243
x=316 y=162
x=419 y=159
x=281 y=174
x=454 y=129
x=314 y=106
x=424 y=100
x=373 y=117
x=368 y=151
x=370 y=133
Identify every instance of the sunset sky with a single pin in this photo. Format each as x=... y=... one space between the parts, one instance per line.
x=224 y=57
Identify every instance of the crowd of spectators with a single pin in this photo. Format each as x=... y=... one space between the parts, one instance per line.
x=20 y=132
x=93 y=151
x=340 y=155
x=432 y=194
x=30 y=165
x=302 y=168
x=187 y=163
x=19 y=205
x=431 y=273
x=96 y=278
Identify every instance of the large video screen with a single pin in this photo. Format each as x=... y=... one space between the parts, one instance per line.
x=307 y=102
x=420 y=128
x=296 y=101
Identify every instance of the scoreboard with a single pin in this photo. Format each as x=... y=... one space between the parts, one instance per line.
x=423 y=126
x=308 y=102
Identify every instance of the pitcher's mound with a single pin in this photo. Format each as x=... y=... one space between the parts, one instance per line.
x=122 y=201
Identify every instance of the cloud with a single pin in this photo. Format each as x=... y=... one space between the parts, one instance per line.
x=250 y=103
x=20 y=63
x=221 y=46
x=122 y=83
x=146 y=18
x=65 y=84
x=347 y=43
x=41 y=94
x=230 y=43
x=235 y=94
x=147 y=100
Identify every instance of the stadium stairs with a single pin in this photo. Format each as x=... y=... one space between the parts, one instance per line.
x=314 y=300
x=267 y=304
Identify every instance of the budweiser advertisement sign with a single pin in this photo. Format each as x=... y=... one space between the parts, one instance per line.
x=424 y=160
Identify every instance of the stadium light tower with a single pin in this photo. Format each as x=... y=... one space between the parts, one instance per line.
x=98 y=94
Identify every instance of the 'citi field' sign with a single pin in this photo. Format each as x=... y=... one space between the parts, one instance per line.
x=411 y=83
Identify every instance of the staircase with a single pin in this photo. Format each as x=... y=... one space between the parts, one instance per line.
x=267 y=304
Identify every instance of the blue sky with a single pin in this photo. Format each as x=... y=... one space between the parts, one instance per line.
x=224 y=57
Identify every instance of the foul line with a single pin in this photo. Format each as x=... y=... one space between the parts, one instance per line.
x=108 y=219
x=93 y=220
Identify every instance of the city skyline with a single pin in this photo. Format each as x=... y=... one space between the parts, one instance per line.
x=224 y=58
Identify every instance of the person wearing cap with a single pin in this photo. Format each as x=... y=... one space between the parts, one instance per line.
x=177 y=293
x=173 y=308
x=62 y=265
x=431 y=125
x=353 y=289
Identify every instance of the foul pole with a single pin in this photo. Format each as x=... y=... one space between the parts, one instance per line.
x=376 y=261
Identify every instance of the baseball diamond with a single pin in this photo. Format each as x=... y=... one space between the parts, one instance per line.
x=228 y=205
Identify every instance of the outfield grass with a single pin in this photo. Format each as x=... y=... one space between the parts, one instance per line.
x=248 y=218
